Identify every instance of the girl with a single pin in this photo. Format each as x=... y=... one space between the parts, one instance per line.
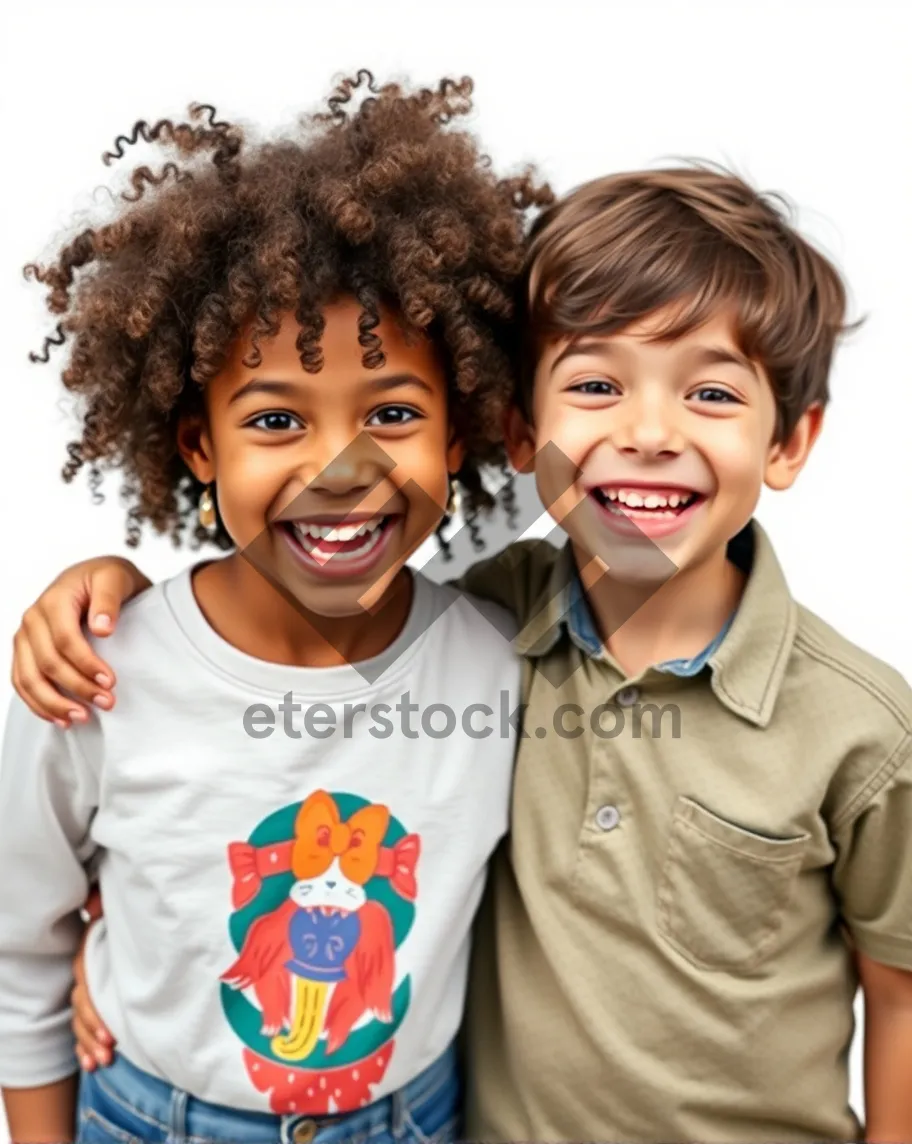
x=305 y=345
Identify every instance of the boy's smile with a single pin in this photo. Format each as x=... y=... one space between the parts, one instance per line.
x=633 y=508
x=669 y=442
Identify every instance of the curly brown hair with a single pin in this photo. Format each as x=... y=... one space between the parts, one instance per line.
x=378 y=201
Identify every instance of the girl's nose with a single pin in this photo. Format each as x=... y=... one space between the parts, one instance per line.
x=347 y=466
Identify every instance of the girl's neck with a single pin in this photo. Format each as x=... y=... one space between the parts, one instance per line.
x=253 y=616
x=642 y=625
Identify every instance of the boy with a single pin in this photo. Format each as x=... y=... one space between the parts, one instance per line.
x=713 y=794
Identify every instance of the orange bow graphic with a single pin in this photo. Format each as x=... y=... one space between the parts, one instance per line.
x=321 y=836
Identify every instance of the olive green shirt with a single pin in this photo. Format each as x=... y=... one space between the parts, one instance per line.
x=664 y=950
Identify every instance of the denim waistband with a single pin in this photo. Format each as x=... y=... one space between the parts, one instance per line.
x=173 y=1113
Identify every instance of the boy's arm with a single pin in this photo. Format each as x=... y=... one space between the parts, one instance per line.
x=54 y=666
x=887 y=1052
x=47 y=801
x=873 y=880
x=515 y=578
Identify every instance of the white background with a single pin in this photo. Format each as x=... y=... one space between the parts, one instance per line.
x=812 y=100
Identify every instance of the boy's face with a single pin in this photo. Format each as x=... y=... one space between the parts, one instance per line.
x=650 y=451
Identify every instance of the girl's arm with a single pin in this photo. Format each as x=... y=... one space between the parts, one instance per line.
x=48 y=798
x=50 y=651
x=45 y=1115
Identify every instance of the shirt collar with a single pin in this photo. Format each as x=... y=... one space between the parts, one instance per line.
x=747 y=658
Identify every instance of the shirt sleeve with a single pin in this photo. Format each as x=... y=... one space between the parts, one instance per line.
x=873 y=868
x=47 y=801
x=515 y=578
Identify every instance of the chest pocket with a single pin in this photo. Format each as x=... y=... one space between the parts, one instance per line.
x=723 y=890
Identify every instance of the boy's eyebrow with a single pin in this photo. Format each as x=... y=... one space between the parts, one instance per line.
x=719 y=355
x=580 y=347
x=289 y=388
x=705 y=355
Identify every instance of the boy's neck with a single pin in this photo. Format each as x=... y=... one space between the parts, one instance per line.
x=249 y=613
x=641 y=625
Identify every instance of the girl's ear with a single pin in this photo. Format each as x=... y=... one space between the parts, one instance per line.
x=194 y=443
x=519 y=440
x=456 y=452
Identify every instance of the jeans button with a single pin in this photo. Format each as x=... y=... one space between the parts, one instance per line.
x=627 y=696
x=304 y=1132
x=607 y=817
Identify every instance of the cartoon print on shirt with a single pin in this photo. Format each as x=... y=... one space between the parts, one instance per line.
x=318 y=920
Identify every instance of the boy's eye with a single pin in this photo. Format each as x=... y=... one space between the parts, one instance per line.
x=393 y=415
x=276 y=422
x=712 y=393
x=595 y=386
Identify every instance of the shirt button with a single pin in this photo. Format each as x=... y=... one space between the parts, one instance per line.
x=627 y=696
x=304 y=1132
x=607 y=817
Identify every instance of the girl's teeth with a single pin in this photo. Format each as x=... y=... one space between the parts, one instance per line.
x=337 y=534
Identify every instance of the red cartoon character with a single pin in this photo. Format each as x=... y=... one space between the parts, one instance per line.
x=325 y=958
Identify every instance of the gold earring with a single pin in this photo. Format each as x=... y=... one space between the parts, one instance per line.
x=207 y=510
x=454 y=499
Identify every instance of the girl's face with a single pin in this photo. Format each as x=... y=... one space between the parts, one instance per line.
x=328 y=482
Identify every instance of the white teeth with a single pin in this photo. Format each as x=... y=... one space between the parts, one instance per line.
x=650 y=501
x=337 y=534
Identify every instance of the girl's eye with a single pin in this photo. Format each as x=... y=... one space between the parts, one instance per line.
x=595 y=387
x=712 y=393
x=276 y=422
x=393 y=415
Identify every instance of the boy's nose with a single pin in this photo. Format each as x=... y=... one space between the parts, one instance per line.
x=650 y=429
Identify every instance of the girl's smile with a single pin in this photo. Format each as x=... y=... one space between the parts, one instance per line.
x=327 y=482
x=340 y=547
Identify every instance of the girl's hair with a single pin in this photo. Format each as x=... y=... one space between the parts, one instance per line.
x=381 y=202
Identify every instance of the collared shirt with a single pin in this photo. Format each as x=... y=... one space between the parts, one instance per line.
x=581 y=629
x=662 y=953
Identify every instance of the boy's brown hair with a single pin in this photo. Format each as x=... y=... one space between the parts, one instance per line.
x=623 y=247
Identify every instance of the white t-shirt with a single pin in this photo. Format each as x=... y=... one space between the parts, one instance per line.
x=290 y=859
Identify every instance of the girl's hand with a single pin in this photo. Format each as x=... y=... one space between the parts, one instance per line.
x=50 y=650
x=93 y=1040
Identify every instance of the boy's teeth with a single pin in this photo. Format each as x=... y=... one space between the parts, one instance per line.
x=633 y=499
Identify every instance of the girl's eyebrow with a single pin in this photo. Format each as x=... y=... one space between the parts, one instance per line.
x=263 y=385
x=290 y=388
x=397 y=380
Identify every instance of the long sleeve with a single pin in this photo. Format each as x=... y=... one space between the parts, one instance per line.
x=47 y=800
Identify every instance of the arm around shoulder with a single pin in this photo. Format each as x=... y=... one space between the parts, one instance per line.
x=515 y=578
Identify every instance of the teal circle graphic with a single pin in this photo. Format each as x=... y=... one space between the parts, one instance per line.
x=244 y=1017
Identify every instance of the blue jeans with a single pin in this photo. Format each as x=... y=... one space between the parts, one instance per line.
x=121 y=1104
